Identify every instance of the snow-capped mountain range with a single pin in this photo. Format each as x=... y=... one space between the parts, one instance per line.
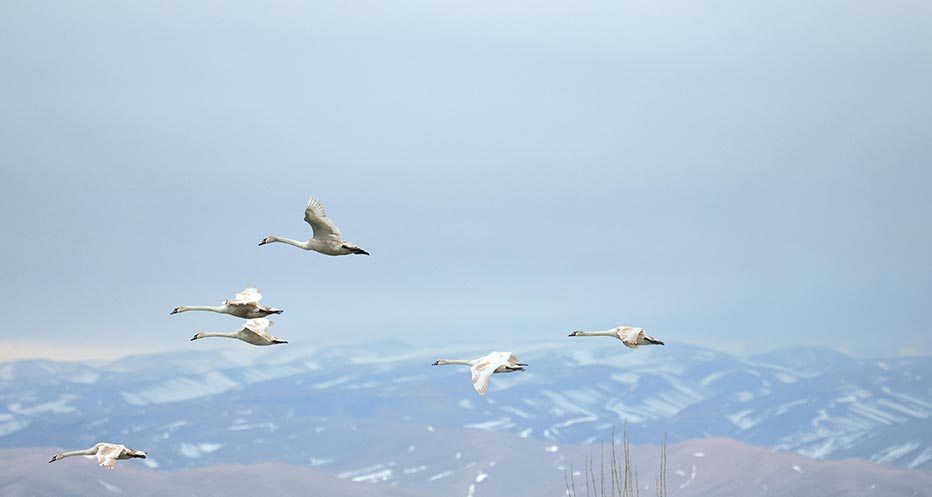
x=380 y=412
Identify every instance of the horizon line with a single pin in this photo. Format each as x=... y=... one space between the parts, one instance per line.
x=13 y=351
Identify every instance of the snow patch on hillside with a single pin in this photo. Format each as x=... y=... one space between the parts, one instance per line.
x=922 y=458
x=894 y=452
x=59 y=406
x=495 y=424
x=194 y=451
x=110 y=487
x=743 y=419
x=9 y=424
x=180 y=389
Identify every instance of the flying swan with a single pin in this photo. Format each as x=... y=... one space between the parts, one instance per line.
x=107 y=454
x=630 y=336
x=244 y=305
x=483 y=367
x=327 y=237
x=254 y=331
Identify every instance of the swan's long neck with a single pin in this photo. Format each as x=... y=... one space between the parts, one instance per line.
x=217 y=334
x=304 y=245
x=218 y=308
x=457 y=361
x=603 y=333
x=85 y=452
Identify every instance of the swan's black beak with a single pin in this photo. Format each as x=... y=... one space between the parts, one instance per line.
x=52 y=459
x=174 y=311
x=194 y=338
x=572 y=334
x=263 y=242
x=436 y=363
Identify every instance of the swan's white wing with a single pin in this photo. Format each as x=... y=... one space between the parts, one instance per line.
x=630 y=335
x=323 y=227
x=249 y=296
x=501 y=357
x=482 y=373
x=107 y=454
x=260 y=327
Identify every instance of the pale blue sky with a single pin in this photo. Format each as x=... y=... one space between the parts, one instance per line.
x=750 y=176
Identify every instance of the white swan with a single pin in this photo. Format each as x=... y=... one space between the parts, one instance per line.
x=254 y=331
x=244 y=305
x=629 y=335
x=327 y=237
x=107 y=454
x=483 y=367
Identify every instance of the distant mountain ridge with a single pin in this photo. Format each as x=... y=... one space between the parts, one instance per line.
x=695 y=468
x=336 y=407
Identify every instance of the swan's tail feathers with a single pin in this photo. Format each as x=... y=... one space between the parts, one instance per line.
x=356 y=250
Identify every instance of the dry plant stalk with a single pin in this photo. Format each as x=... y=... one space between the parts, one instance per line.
x=621 y=478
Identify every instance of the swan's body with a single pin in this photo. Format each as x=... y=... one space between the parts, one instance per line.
x=254 y=331
x=484 y=367
x=632 y=337
x=327 y=238
x=244 y=305
x=107 y=454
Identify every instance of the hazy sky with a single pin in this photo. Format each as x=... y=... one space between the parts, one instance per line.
x=745 y=175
